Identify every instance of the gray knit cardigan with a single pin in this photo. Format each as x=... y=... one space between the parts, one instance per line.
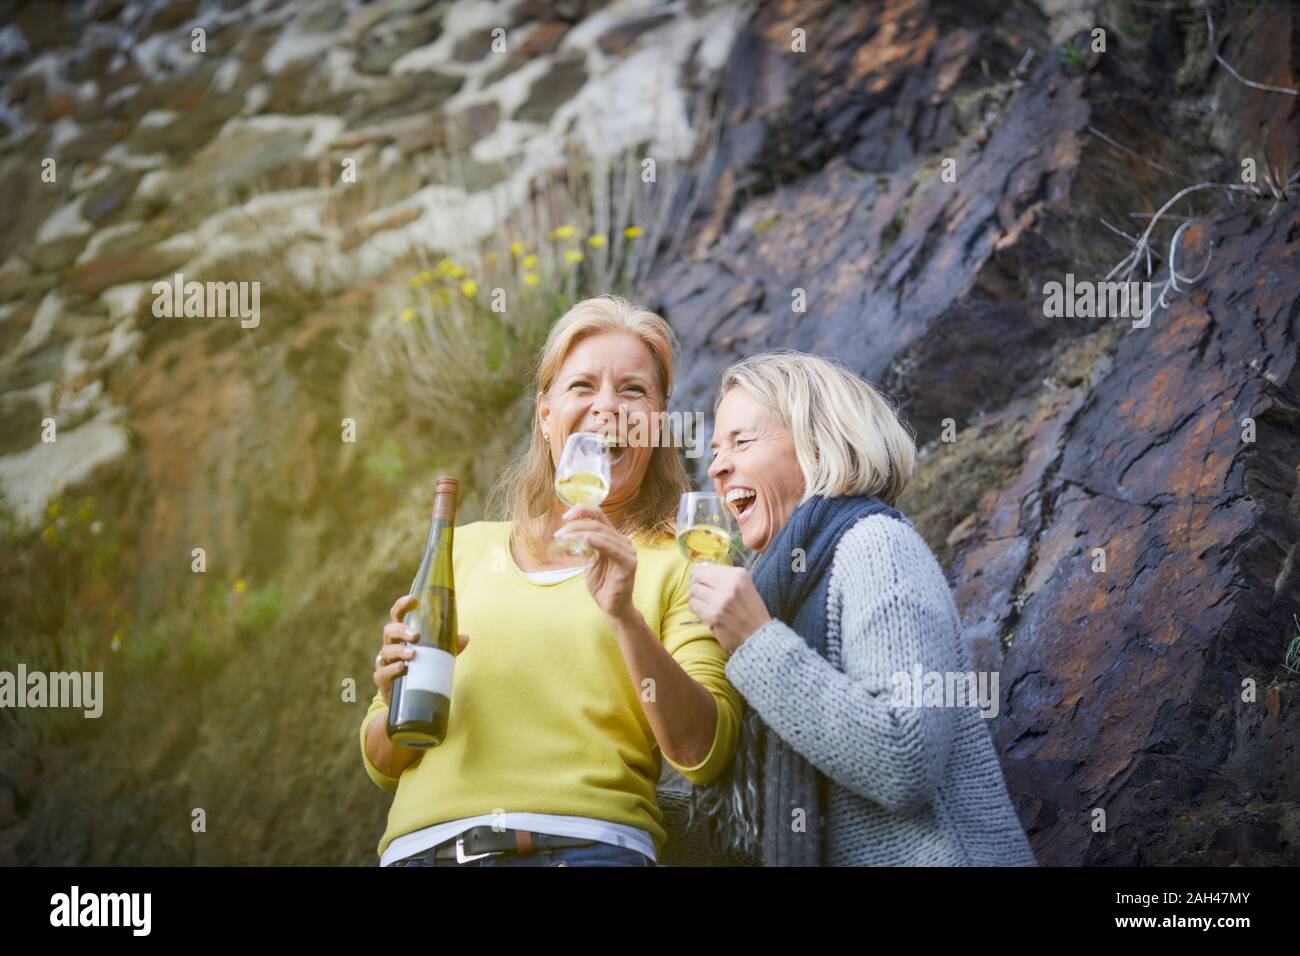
x=906 y=785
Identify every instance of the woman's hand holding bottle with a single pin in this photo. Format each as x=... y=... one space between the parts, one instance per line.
x=390 y=663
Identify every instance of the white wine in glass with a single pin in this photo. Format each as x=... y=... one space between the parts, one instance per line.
x=704 y=544
x=705 y=526
x=583 y=488
x=581 y=478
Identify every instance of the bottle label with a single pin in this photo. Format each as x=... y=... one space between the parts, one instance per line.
x=430 y=670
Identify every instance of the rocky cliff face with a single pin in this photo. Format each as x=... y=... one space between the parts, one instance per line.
x=912 y=180
x=1123 y=688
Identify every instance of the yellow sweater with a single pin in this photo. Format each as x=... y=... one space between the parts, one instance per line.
x=544 y=715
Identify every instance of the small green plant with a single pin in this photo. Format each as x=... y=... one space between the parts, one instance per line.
x=199 y=631
x=1292 y=660
x=262 y=608
x=75 y=528
x=1134 y=30
x=65 y=608
x=1074 y=58
x=387 y=464
x=55 y=570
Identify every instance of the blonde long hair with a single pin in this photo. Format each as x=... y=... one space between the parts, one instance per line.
x=527 y=489
x=847 y=438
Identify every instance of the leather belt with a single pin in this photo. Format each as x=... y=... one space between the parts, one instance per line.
x=481 y=841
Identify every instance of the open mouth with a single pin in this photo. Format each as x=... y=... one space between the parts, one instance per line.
x=613 y=449
x=742 y=501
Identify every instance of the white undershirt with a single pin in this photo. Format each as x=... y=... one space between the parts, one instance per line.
x=619 y=834
x=547 y=577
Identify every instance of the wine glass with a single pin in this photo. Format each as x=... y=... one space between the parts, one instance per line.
x=705 y=528
x=581 y=478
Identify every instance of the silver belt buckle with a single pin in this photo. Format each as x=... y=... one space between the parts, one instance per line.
x=461 y=856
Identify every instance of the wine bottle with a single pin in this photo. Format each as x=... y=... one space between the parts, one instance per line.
x=419 y=705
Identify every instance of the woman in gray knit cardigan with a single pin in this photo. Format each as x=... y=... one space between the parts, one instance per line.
x=842 y=618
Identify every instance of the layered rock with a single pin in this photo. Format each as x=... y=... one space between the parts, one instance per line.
x=1122 y=557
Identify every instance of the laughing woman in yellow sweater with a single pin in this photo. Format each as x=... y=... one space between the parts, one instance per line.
x=572 y=684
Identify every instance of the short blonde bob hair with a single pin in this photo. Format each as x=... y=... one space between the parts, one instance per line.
x=848 y=439
x=527 y=488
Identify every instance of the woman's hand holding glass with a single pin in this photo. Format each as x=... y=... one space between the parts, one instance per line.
x=611 y=576
x=725 y=599
x=705 y=530
x=582 y=480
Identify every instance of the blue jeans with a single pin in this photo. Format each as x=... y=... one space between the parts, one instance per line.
x=595 y=854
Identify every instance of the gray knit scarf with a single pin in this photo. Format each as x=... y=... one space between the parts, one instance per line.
x=750 y=809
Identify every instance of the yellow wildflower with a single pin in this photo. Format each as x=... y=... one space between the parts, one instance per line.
x=596 y=241
x=530 y=262
x=54 y=509
x=633 y=231
x=530 y=278
x=241 y=587
x=469 y=288
x=516 y=248
x=408 y=315
x=572 y=256
x=450 y=269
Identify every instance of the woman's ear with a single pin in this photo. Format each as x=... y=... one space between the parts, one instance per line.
x=543 y=414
